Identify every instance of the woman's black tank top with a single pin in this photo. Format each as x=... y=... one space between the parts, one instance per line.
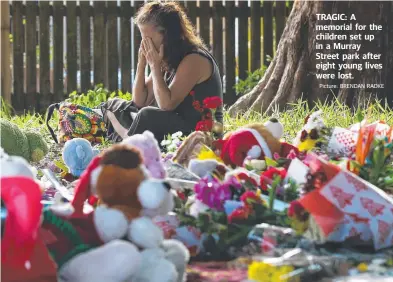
x=208 y=88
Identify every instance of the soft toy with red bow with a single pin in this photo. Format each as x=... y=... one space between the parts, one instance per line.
x=254 y=141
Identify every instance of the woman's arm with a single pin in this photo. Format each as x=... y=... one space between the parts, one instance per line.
x=186 y=77
x=142 y=93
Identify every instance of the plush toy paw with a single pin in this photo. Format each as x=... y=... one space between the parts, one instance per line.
x=202 y=167
x=111 y=224
x=145 y=233
x=155 y=267
x=179 y=255
x=116 y=261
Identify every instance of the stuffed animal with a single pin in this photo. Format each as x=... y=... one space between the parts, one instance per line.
x=275 y=127
x=24 y=143
x=253 y=141
x=122 y=183
x=89 y=246
x=23 y=254
x=151 y=153
x=77 y=154
x=309 y=136
x=203 y=168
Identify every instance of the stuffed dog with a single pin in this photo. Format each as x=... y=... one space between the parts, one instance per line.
x=121 y=183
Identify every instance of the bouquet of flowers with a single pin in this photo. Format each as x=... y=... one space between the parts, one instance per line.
x=225 y=211
x=207 y=110
x=373 y=158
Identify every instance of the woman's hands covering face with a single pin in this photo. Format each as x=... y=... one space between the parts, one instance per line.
x=153 y=56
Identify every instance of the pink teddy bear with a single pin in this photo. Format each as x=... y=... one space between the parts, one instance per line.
x=150 y=150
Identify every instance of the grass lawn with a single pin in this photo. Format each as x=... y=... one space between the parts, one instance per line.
x=334 y=114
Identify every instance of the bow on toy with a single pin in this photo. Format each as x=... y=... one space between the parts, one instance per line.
x=21 y=213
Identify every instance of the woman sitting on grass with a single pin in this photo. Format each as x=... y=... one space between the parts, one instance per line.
x=183 y=74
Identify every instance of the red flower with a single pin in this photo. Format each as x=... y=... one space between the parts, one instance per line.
x=297 y=210
x=192 y=92
x=181 y=195
x=212 y=102
x=250 y=197
x=243 y=176
x=204 y=125
x=269 y=175
x=208 y=115
x=197 y=106
x=239 y=214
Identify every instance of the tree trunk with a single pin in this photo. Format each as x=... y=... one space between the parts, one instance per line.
x=292 y=73
x=5 y=53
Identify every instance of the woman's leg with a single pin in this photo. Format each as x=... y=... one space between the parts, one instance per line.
x=119 y=129
x=117 y=115
x=159 y=122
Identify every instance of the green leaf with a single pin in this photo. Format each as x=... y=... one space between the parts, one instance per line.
x=270 y=162
x=61 y=165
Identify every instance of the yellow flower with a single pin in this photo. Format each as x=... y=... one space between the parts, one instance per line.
x=362 y=267
x=207 y=154
x=263 y=272
x=307 y=145
x=258 y=271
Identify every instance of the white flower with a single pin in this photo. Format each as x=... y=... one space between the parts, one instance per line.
x=175 y=141
x=177 y=134
x=172 y=147
x=258 y=164
x=165 y=142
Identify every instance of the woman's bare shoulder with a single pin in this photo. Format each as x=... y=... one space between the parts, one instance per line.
x=199 y=62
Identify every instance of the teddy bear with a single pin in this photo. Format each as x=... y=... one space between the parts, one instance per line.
x=77 y=154
x=148 y=146
x=121 y=183
x=253 y=141
x=75 y=241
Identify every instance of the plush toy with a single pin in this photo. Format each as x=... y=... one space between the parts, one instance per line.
x=24 y=257
x=203 y=168
x=121 y=183
x=253 y=141
x=151 y=153
x=275 y=127
x=191 y=147
x=309 y=136
x=24 y=143
x=77 y=154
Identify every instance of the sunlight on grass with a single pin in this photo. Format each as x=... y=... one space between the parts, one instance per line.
x=334 y=114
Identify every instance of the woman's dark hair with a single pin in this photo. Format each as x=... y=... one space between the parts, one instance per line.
x=179 y=33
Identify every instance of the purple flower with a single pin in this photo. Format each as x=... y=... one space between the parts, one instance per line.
x=168 y=157
x=212 y=193
x=178 y=143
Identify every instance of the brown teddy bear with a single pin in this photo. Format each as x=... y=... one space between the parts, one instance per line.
x=254 y=141
x=121 y=182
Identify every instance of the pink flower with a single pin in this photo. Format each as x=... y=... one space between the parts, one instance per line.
x=212 y=193
x=292 y=155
